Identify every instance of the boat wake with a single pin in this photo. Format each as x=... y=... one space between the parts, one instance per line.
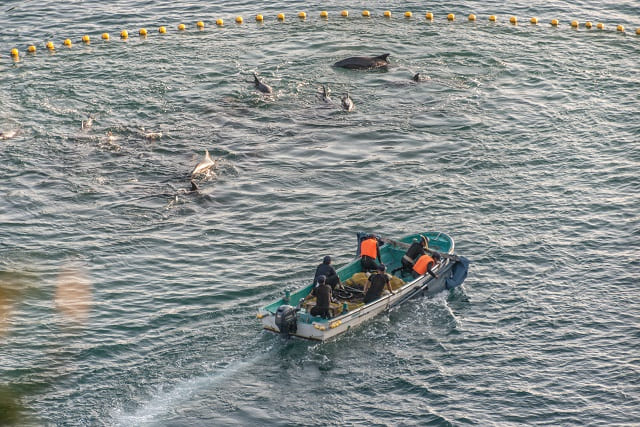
x=164 y=401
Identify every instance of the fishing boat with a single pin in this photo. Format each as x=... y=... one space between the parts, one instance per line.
x=291 y=316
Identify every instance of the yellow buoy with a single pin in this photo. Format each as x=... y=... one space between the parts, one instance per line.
x=344 y=13
x=200 y=25
x=408 y=14
x=387 y=14
x=600 y=26
x=162 y=30
x=259 y=18
x=219 y=22
x=513 y=20
x=554 y=22
x=302 y=15
x=239 y=20
x=50 y=46
x=588 y=24
x=429 y=16
x=493 y=18
x=281 y=16
x=105 y=36
x=124 y=34
x=472 y=17
x=67 y=42
x=181 y=27
x=324 y=14
x=31 y=49
x=366 y=13
x=15 y=53
x=86 y=39
x=142 y=32
x=575 y=24
x=534 y=21
x=451 y=17
x=620 y=28
x=638 y=31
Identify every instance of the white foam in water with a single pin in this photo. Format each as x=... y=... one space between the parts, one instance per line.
x=183 y=391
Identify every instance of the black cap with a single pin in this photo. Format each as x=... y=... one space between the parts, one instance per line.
x=321 y=279
x=382 y=267
x=327 y=260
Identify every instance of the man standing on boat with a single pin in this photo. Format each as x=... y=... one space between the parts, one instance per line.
x=323 y=298
x=376 y=284
x=327 y=270
x=369 y=252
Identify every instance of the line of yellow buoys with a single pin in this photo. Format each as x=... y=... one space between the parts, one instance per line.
x=429 y=16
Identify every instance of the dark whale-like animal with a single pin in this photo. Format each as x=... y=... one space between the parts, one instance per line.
x=364 y=62
x=264 y=88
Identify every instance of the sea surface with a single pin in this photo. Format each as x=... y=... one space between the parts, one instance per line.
x=126 y=299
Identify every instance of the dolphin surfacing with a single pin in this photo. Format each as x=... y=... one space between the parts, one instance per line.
x=364 y=62
x=347 y=103
x=204 y=165
x=262 y=87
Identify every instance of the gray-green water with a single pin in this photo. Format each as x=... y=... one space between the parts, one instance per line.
x=126 y=300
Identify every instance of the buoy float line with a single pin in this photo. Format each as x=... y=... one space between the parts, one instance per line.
x=429 y=16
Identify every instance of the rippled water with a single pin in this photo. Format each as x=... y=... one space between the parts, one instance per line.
x=127 y=300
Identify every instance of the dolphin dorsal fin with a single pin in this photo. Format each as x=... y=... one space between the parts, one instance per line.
x=384 y=57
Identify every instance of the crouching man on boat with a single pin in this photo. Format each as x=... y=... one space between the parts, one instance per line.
x=369 y=252
x=326 y=269
x=323 y=298
x=424 y=264
x=376 y=284
x=417 y=249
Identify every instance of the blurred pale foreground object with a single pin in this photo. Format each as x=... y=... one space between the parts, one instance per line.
x=73 y=293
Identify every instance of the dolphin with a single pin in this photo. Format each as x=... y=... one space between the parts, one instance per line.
x=194 y=186
x=204 y=165
x=417 y=77
x=86 y=124
x=347 y=103
x=364 y=62
x=264 y=88
x=324 y=96
x=150 y=135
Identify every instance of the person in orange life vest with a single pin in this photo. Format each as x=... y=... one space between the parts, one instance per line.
x=376 y=284
x=413 y=253
x=424 y=264
x=369 y=252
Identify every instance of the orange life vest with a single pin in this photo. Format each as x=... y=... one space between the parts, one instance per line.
x=423 y=263
x=369 y=247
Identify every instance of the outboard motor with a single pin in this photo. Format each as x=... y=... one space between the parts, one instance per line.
x=286 y=320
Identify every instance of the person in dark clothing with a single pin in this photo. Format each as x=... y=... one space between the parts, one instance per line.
x=369 y=252
x=376 y=284
x=323 y=298
x=327 y=270
x=415 y=251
